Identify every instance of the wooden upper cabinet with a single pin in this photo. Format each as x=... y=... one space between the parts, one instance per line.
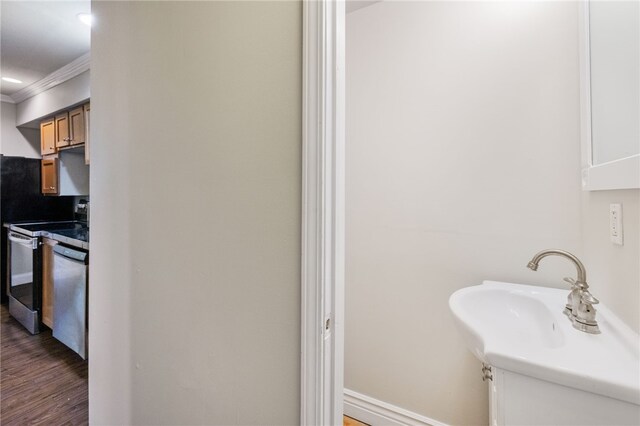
x=62 y=130
x=76 y=126
x=49 y=174
x=47 y=137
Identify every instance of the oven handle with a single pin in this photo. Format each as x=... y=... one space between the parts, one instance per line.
x=21 y=239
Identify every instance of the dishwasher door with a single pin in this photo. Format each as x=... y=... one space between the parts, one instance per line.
x=70 y=298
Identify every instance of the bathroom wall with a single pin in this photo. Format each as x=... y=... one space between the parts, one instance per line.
x=613 y=270
x=196 y=193
x=16 y=142
x=463 y=160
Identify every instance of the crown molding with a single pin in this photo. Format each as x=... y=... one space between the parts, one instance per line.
x=7 y=98
x=59 y=76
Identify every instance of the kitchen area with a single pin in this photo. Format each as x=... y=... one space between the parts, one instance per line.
x=47 y=270
x=45 y=211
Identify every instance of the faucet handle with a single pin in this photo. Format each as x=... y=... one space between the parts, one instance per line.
x=575 y=284
x=587 y=297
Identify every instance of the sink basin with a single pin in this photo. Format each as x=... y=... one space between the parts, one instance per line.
x=521 y=328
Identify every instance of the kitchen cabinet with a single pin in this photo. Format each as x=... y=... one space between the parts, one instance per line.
x=87 y=144
x=47 y=281
x=47 y=137
x=76 y=126
x=66 y=129
x=49 y=173
x=65 y=173
x=62 y=130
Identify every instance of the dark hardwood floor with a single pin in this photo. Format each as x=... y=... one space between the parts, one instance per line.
x=42 y=382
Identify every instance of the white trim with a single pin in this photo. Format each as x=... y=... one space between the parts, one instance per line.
x=619 y=174
x=585 y=85
x=323 y=213
x=378 y=413
x=7 y=98
x=59 y=76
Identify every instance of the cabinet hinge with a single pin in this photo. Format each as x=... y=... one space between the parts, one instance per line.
x=486 y=372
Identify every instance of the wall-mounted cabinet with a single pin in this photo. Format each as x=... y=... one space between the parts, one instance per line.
x=65 y=173
x=76 y=126
x=49 y=173
x=48 y=137
x=64 y=145
x=62 y=130
x=68 y=128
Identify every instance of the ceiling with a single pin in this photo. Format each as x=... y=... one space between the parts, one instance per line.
x=38 y=37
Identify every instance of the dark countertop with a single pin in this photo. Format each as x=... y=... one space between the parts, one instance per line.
x=74 y=237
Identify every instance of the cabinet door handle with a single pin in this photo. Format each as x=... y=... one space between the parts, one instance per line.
x=52 y=187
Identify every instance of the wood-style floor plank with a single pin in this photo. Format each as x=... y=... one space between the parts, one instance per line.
x=349 y=421
x=42 y=382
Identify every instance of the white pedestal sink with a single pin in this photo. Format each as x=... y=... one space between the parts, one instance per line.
x=543 y=370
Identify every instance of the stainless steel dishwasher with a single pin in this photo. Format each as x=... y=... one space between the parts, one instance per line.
x=70 y=297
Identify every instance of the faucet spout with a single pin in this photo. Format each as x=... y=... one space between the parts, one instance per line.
x=579 y=307
x=582 y=272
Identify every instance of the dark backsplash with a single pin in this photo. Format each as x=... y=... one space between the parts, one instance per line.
x=21 y=200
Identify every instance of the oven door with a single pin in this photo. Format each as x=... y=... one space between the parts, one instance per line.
x=23 y=280
x=21 y=270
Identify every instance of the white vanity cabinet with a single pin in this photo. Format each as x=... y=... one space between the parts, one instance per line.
x=543 y=371
x=516 y=399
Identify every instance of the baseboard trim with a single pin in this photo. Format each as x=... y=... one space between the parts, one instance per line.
x=379 y=413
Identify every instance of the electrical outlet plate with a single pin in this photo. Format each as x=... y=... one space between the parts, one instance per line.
x=615 y=223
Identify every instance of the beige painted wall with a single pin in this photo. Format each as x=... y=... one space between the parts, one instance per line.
x=613 y=270
x=13 y=141
x=195 y=191
x=463 y=160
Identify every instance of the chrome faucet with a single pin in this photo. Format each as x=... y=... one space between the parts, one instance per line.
x=579 y=307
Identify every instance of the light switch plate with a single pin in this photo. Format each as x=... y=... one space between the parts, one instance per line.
x=615 y=223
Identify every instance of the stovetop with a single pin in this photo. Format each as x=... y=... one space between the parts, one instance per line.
x=81 y=234
x=74 y=233
x=50 y=226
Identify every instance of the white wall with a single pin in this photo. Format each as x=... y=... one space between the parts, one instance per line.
x=463 y=160
x=17 y=142
x=613 y=271
x=71 y=92
x=195 y=191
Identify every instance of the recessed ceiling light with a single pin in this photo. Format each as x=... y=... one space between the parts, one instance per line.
x=85 y=18
x=11 y=80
